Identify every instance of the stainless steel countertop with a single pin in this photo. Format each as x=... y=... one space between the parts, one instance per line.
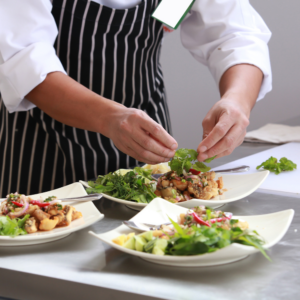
x=81 y=267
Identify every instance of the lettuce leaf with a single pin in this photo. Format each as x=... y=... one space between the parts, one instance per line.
x=12 y=227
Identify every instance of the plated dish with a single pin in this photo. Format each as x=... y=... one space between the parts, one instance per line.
x=271 y=227
x=238 y=186
x=90 y=215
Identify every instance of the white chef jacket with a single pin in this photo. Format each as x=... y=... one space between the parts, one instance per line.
x=217 y=33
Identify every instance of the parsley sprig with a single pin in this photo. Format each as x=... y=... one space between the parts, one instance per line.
x=183 y=160
x=275 y=166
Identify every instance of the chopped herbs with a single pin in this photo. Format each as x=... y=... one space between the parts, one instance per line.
x=275 y=166
x=49 y=199
x=130 y=186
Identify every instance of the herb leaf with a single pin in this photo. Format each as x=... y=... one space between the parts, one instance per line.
x=183 y=160
x=276 y=167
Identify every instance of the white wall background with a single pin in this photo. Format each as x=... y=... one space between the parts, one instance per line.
x=191 y=90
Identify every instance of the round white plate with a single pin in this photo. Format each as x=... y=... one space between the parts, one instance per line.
x=238 y=186
x=90 y=215
x=271 y=227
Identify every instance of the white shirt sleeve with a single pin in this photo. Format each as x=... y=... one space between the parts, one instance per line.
x=27 y=34
x=221 y=34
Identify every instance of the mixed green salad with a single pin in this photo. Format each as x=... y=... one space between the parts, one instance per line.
x=134 y=185
x=199 y=231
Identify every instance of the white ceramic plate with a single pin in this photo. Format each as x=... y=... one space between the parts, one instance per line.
x=90 y=215
x=271 y=227
x=238 y=186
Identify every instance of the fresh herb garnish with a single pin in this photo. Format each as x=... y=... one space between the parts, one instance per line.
x=205 y=239
x=275 y=166
x=129 y=186
x=183 y=160
x=49 y=199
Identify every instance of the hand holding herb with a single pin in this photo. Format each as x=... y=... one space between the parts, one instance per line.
x=183 y=161
x=275 y=166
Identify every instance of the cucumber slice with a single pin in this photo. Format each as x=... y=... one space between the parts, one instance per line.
x=161 y=244
x=148 y=235
x=157 y=251
x=140 y=242
x=130 y=244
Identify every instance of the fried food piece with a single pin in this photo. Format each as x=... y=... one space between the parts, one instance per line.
x=220 y=182
x=30 y=225
x=47 y=224
x=181 y=186
x=40 y=215
x=76 y=215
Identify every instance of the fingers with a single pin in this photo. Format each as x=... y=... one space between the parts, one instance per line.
x=143 y=155
x=226 y=145
x=216 y=133
x=153 y=138
x=159 y=134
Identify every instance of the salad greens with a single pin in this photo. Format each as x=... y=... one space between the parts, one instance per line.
x=183 y=160
x=205 y=239
x=275 y=166
x=12 y=227
x=130 y=186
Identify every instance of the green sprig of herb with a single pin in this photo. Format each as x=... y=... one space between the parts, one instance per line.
x=183 y=160
x=275 y=166
x=130 y=186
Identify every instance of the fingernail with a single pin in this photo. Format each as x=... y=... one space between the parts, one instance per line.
x=167 y=159
x=174 y=146
x=203 y=149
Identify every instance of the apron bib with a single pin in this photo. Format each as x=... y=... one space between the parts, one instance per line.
x=115 y=53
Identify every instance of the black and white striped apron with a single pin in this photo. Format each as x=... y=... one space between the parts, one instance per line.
x=113 y=52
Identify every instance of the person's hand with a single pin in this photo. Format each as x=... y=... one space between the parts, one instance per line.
x=136 y=134
x=224 y=128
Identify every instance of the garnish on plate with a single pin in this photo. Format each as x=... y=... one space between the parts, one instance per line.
x=275 y=166
x=199 y=231
x=134 y=185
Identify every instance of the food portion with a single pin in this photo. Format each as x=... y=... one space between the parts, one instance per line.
x=176 y=188
x=186 y=180
x=22 y=215
x=275 y=166
x=199 y=231
x=133 y=185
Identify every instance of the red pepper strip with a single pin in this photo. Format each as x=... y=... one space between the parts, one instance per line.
x=39 y=203
x=199 y=220
x=17 y=203
x=195 y=172
x=219 y=220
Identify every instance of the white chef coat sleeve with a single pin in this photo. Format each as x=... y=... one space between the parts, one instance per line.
x=221 y=34
x=27 y=34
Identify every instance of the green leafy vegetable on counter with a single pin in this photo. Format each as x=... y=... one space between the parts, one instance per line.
x=209 y=239
x=275 y=166
x=12 y=227
x=128 y=186
x=183 y=160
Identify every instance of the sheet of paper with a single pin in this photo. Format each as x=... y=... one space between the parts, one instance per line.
x=170 y=12
x=286 y=183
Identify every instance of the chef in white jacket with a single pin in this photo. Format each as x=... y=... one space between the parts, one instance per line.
x=82 y=90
